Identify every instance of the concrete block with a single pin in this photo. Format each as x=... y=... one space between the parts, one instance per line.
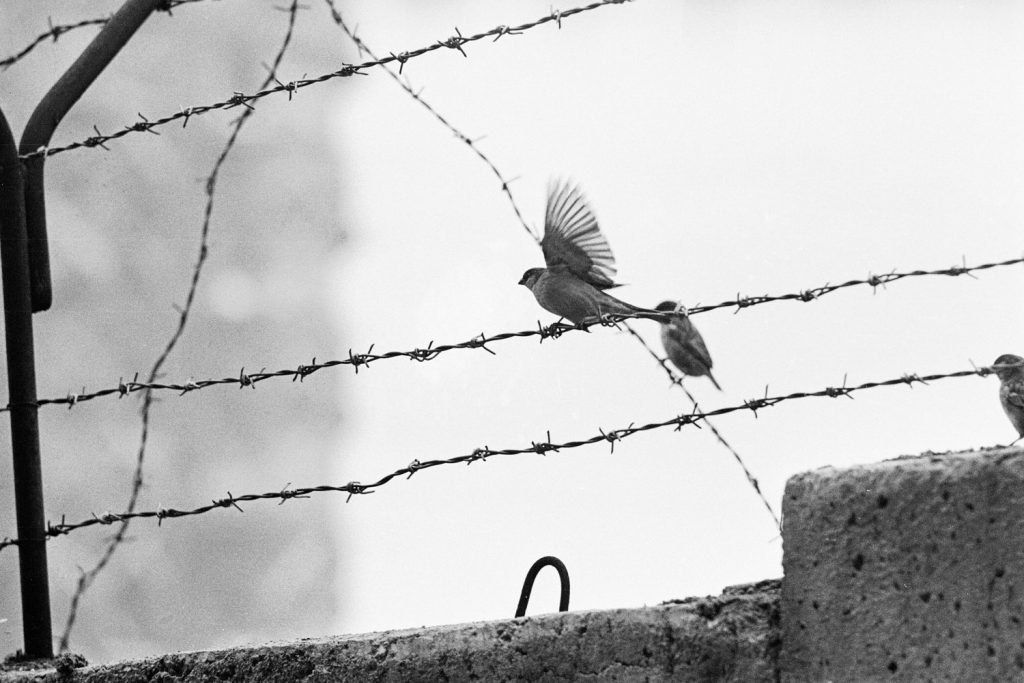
x=909 y=569
x=732 y=637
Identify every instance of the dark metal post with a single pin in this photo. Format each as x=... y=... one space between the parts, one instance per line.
x=24 y=258
x=21 y=387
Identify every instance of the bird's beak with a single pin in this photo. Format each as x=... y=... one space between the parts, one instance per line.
x=522 y=281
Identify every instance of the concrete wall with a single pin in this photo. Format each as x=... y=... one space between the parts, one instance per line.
x=910 y=569
x=733 y=637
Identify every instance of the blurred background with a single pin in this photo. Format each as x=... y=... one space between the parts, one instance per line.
x=726 y=147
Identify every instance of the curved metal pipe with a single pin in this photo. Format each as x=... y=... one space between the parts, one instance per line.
x=48 y=115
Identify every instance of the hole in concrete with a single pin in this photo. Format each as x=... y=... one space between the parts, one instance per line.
x=991 y=651
x=858 y=561
x=852 y=519
x=999 y=572
x=892 y=667
x=956 y=605
x=814 y=604
x=882 y=501
x=969 y=506
x=925 y=596
x=927 y=660
x=945 y=495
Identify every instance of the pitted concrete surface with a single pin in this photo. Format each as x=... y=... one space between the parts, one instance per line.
x=732 y=637
x=909 y=569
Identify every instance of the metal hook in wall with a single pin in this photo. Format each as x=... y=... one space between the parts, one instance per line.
x=531 y=576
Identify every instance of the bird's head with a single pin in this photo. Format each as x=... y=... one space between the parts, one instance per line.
x=530 y=277
x=1008 y=366
x=671 y=307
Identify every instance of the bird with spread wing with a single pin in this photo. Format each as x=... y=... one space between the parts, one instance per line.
x=579 y=262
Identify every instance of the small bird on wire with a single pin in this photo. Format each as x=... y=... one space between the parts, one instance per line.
x=579 y=262
x=1010 y=371
x=683 y=344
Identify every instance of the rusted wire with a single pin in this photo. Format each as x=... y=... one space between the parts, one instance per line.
x=240 y=99
x=541 y=447
x=481 y=341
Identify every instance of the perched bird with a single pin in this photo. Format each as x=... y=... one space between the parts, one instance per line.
x=683 y=344
x=579 y=262
x=1010 y=371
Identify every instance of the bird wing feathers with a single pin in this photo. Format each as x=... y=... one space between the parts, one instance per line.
x=1015 y=395
x=688 y=338
x=572 y=237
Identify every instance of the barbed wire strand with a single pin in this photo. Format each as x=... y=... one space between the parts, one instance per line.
x=481 y=341
x=57 y=30
x=455 y=42
x=611 y=437
x=86 y=578
x=677 y=380
x=416 y=95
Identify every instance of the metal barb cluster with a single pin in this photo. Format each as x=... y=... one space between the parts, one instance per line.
x=354 y=488
x=481 y=341
x=244 y=99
